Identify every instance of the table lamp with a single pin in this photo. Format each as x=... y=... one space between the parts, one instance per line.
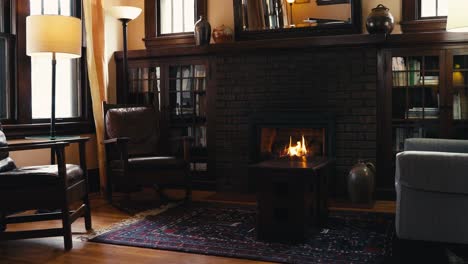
x=54 y=36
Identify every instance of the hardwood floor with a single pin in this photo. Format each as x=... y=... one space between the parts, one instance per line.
x=50 y=250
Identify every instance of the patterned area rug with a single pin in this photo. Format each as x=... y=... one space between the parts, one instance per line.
x=229 y=231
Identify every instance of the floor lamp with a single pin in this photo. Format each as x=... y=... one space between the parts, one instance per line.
x=55 y=36
x=125 y=14
x=290 y=11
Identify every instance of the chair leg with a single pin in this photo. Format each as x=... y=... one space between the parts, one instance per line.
x=159 y=191
x=188 y=186
x=109 y=187
x=87 y=216
x=66 y=226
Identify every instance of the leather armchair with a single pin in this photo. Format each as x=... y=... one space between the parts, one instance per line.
x=432 y=190
x=59 y=186
x=137 y=152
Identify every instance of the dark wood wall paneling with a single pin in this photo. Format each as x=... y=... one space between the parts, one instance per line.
x=343 y=75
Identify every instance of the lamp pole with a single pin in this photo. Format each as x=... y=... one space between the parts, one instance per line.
x=125 y=59
x=52 y=114
x=291 y=2
x=290 y=11
x=124 y=14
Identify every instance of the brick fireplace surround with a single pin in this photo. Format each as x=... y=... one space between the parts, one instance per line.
x=340 y=81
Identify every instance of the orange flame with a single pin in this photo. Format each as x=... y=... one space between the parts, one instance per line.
x=300 y=150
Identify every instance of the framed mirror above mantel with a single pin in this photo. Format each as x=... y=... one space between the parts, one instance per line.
x=273 y=19
x=171 y=23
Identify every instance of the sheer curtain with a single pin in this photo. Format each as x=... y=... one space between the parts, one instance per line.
x=97 y=72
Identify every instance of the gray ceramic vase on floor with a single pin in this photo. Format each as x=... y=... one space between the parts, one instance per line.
x=202 y=32
x=361 y=183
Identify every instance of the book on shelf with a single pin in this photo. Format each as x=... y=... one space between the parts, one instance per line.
x=462 y=104
x=398 y=68
x=405 y=73
x=200 y=71
x=429 y=80
x=415 y=72
x=456 y=107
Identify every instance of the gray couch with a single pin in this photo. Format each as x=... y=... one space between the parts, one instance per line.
x=432 y=190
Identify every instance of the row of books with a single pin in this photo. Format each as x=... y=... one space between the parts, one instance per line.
x=423 y=112
x=408 y=73
x=460 y=109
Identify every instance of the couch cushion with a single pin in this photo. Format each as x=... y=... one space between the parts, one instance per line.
x=137 y=123
x=433 y=171
x=38 y=176
x=6 y=163
x=436 y=144
x=156 y=163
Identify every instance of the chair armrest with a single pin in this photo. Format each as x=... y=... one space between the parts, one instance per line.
x=436 y=144
x=120 y=140
x=184 y=138
x=186 y=143
x=433 y=171
x=34 y=145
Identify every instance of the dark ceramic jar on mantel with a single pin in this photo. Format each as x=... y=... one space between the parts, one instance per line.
x=202 y=32
x=380 y=20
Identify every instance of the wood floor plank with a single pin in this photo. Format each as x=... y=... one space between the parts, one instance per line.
x=50 y=250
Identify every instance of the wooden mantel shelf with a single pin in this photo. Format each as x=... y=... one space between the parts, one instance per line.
x=357 y=40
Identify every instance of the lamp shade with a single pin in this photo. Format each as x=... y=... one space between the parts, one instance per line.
x=457 y=19
x=290 y=1
x=125 y=12
x=46 y=34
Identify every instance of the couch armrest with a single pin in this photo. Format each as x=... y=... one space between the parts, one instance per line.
x=434 y=144
x=433 y=171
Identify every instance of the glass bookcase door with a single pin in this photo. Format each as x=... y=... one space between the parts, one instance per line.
x=458 y=96
x=415 y=98
x=145 y=86
x=188 y=110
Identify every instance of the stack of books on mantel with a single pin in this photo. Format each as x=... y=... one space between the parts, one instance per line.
x=420 y=112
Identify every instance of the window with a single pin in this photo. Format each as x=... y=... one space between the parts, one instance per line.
x=5 y=61
x=424 y=15
x=177 y=16
x=4 y=79
x=25 y=82
x=68 y=91
x=171 y=22
x=434 y=8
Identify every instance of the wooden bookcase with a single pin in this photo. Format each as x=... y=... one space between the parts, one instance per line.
x=425 y=95
x=179 y=89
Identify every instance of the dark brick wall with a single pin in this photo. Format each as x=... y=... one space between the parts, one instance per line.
x=341 y=81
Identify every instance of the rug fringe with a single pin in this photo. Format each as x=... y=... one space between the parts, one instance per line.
x=126 y=222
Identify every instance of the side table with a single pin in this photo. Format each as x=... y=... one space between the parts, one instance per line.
x=292 y=197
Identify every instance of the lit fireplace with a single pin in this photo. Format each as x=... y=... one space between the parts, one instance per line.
x=299 y=150
x=291 y=143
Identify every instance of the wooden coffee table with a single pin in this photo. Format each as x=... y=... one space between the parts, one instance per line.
x=291 y=197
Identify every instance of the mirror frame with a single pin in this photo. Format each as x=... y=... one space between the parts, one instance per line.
x=354 y=28
x=154 y=38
